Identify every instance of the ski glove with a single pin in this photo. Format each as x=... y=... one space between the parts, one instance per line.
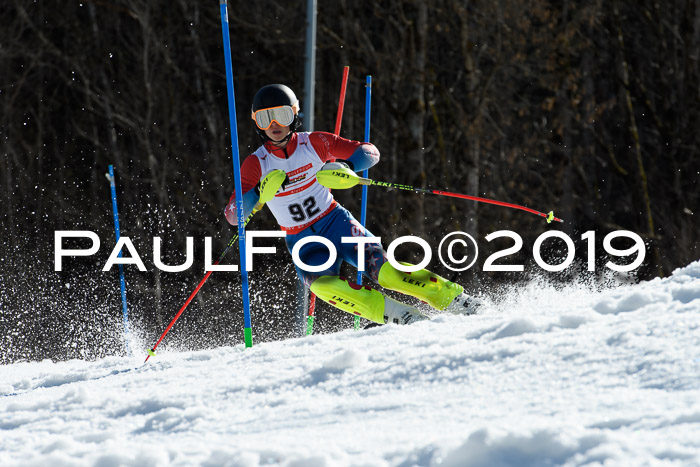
x=256 y=198
x=271 y=184
x=337 y=176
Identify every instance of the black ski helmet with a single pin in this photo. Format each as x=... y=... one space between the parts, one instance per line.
x=275 y=95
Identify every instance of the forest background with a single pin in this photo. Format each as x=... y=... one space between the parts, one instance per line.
x=589 y=109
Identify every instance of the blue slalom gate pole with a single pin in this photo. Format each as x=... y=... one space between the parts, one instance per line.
x=365 y=173
x=125 y=312
x=247 y=331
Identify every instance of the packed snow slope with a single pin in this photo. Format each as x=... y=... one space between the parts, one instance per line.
x=549 y=376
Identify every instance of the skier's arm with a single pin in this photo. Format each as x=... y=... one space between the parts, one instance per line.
x=250 y=176
x=250 y=199
x=364 y=157
x=359 y=156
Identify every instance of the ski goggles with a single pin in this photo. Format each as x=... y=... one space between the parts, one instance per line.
x=282 y=115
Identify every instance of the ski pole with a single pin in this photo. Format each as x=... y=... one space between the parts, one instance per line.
x=152 y=350
x=346 y=178
x=338 y=120
x=122 y=283
x=365 y=173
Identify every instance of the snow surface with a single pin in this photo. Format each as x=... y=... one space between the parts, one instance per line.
x=549 y=376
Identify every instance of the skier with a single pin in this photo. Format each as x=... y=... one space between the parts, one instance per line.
x=283 y=172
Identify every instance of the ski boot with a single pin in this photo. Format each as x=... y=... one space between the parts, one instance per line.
x=463 y=304
x=400 y=313
x=364 y=301
x=436 y=291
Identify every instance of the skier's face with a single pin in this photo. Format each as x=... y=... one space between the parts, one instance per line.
x=277 y=133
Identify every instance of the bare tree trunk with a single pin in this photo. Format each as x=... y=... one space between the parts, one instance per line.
x=416 y=115
x=471 y=164
x=634 y=130
x=567 y=179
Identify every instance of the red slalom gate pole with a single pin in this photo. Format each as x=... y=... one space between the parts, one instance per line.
x=341 y=100
x=338 y=121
